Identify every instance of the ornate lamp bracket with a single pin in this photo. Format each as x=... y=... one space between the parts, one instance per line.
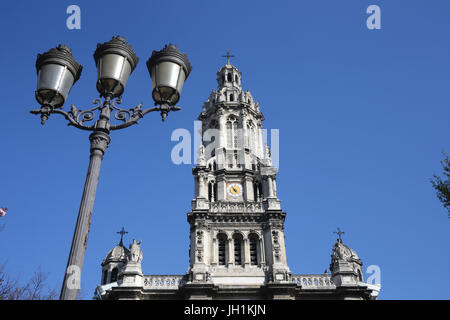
x=77 y=117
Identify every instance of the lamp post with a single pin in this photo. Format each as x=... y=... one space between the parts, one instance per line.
x=58 y=71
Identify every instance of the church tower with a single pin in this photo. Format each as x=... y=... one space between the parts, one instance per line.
x=236 y=222
x=237 y=242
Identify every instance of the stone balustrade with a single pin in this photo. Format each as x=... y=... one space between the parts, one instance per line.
x=173 y=282
x=163 y=282
x=314 y=281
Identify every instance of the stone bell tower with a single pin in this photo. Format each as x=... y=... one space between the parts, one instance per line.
x=236 y=222
x=237 y=241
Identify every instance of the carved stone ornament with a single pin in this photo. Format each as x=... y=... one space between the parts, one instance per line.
x=199 y=237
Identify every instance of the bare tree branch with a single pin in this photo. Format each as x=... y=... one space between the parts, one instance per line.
x=34 y=289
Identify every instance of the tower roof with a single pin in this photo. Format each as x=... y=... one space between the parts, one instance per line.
x=228 y=66
x=117 y=254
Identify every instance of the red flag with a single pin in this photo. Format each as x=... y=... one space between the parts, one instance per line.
x=3 y=211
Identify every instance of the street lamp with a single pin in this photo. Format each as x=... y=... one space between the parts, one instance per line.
x=58 y=71
x=168 y=69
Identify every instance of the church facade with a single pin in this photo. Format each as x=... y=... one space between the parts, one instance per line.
x=237 y=244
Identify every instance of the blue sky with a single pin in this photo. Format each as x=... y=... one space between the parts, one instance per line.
x=363 y=117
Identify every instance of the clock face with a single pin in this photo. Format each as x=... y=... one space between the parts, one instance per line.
x=234 y=190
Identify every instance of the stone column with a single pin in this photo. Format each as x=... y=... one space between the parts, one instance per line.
x=274 y=181
x=221 y=188
x=230 y=252
x=270 y=185
x=215 y=249
x=262 y=252
x=246 y=253
x=244 y=130
x=222 y=128
x=259 y=147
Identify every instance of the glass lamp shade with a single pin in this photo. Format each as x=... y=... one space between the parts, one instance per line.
x=115 y=62
x=57 y=72
x=168 y=68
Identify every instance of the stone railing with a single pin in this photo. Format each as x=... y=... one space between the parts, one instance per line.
x=228 y=206
x=314 y=281
x=163 y=282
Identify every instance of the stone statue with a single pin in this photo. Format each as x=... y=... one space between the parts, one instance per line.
x=267 y=152
x=267 y=161
x=341 y=253
x=201 y=152
x=135 y=252
x=221 y=96
x=346 y=267
x=201 y=156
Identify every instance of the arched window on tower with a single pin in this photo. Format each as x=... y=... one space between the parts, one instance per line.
x=235 y=134
x=232 y=141
x=210 y=191
x=232 y=132
x=105 y=276
x=215 y=191
x=236 y=78
x=231 y=97
x=229 y=133
x=238 y=241
x=221 y=244
x=253 y=239
x=229 y=77
x=114 y=274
